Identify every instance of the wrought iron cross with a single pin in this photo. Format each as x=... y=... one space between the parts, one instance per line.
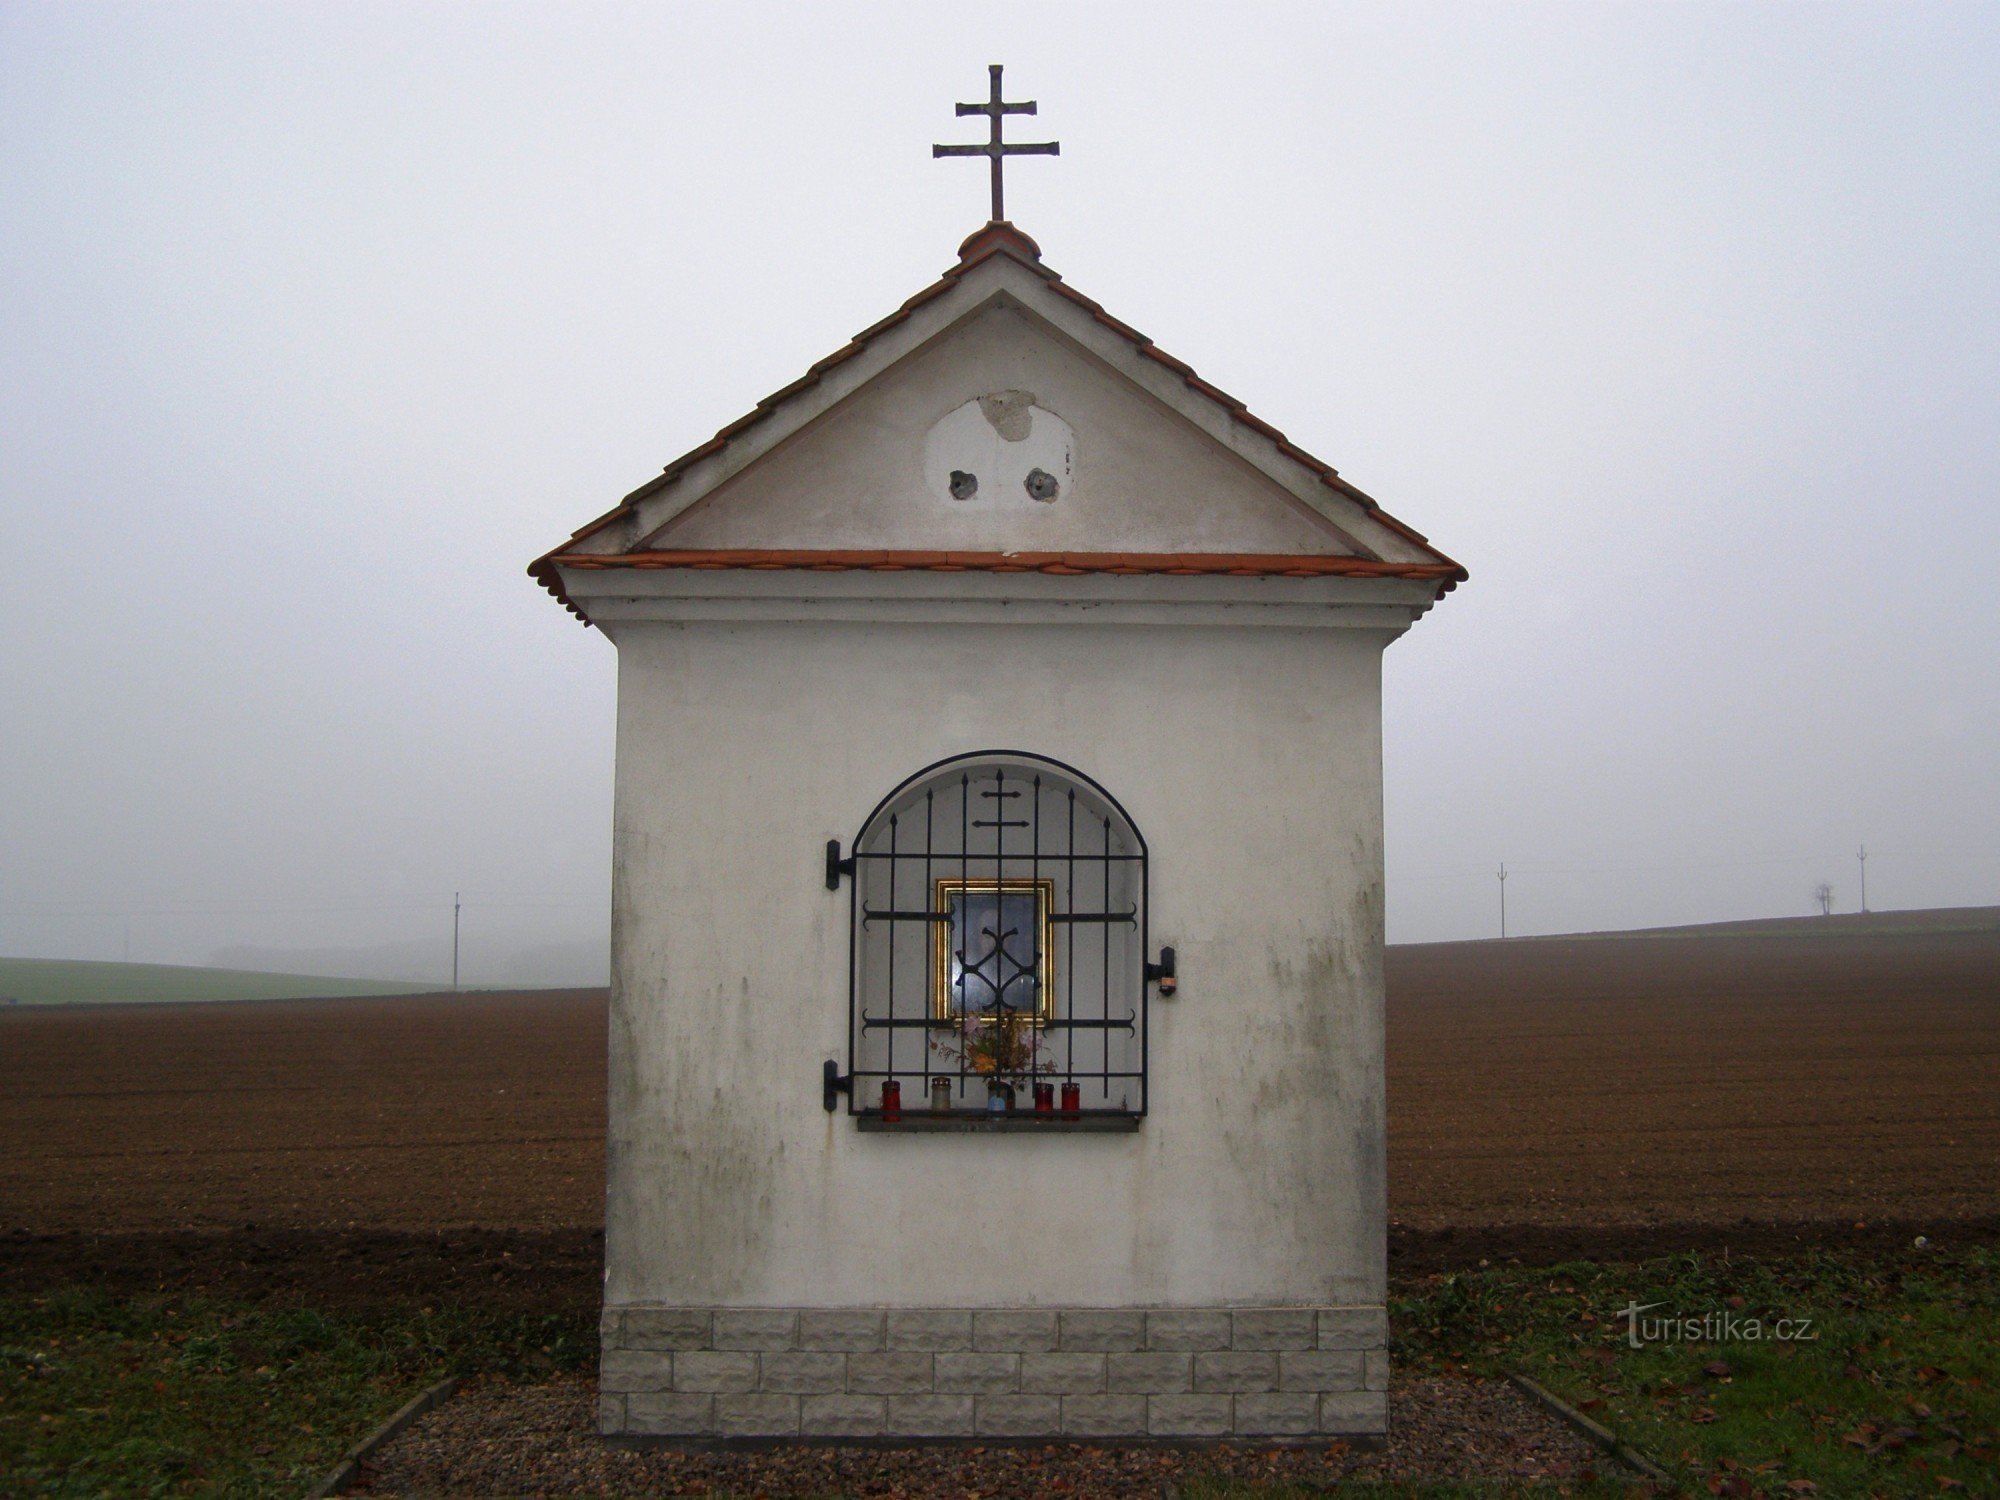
x=995 y=149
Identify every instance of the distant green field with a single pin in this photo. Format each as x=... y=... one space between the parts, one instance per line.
x=59 y=981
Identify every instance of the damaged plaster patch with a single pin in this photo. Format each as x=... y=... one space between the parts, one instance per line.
x=1011 y=413
x=1000 y=451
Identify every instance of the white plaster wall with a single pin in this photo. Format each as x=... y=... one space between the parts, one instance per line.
x=1249 y=759
x=1147 y=480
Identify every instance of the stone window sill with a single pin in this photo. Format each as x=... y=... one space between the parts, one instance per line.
x=997 y=1122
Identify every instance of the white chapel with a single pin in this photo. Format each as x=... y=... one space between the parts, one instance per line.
x=996 y=1000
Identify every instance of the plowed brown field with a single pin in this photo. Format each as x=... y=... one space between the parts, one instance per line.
x=1695 y=1079
x=1560 y=1082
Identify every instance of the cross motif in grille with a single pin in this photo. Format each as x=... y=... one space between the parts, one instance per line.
x=997 y=955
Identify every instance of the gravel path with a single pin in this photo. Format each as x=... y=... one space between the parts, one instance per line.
x=499 y=1439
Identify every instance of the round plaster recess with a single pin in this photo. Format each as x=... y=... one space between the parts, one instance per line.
x=1000 y=451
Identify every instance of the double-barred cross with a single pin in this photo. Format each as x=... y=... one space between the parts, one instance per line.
x=995 y=149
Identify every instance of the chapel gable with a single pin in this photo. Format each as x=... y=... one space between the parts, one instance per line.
x=1002 y=435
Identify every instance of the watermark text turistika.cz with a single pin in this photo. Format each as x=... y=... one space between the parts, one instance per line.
x=1717 y=1327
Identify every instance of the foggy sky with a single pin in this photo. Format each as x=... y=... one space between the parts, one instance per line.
x=1677 y=324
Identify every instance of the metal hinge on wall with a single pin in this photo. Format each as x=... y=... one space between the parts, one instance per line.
x=835 y=865
x=835 y=1083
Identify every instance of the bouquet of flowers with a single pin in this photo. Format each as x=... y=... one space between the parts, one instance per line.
x=1001 y=1045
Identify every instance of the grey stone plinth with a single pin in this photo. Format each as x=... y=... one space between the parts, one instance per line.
x=1375 y=1370
x=767 y=1374
x=1158 y=1373
x=890 y=1374
x=711 y=1373
x=1354 y=1411
x=1017 y=1416
x=1353 y=1328
x=1109 y=1331
x=1020 y=1331
x=670 y=1416
x=1062 y=1374
x=799 y=1374
x=1104 y=1416
x=843 y=1331
x=667 y=1328
x=1277 y=1415
x=757 y=1416
x=930 y=1416
x=621 y=1370
x=1187 y=1330
x=977 y=1373
x=1322 y=1370
x=1188 y=1416
x=1235 y=1372
x=1275 y=1328
x=843 y=1416
x=930 y=1328
x=756 y=1328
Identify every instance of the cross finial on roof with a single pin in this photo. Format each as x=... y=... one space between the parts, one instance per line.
x=996 y=150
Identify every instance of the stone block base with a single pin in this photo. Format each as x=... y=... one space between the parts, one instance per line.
x=1274 y=1374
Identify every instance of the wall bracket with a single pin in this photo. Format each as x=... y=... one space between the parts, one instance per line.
x=834 y=1084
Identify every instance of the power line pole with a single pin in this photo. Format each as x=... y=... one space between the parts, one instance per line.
x=1503 y=898
x=454 y=941
x=1864 y=879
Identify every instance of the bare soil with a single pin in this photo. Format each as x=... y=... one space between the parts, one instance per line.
x=1707 y=1079
x=408 y=1112
x=498 y=1270
x=1545 y=1093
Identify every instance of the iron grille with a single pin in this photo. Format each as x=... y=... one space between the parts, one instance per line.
x=997 y=974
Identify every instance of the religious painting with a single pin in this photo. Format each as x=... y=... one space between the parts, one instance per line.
x=992 y=953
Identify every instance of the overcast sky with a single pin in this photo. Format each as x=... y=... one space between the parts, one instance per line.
x=1678 y=324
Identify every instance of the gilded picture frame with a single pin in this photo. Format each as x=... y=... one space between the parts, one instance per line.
x=956 y=898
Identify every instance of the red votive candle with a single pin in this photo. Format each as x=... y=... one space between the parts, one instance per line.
x=1045 y=1098
x=892 y=1102
x=1072 y=1101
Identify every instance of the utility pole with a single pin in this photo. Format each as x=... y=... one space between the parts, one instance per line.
x=1503 y=898
x=1864 y=879
x=454 y=942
